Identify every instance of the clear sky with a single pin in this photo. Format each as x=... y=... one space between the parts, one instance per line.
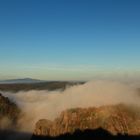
x=69 y=39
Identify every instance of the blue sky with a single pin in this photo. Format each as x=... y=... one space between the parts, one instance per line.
x=69 y=39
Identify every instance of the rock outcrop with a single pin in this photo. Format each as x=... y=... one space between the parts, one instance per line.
x=9 y=112
x=117 y=119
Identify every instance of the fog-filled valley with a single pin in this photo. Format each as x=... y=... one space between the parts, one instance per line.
x=69 y=69
x=30 y=106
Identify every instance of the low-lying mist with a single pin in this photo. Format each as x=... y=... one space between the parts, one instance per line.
x=36 y=104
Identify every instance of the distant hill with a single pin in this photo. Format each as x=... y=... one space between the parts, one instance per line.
x=36 y=85
x=20 y=81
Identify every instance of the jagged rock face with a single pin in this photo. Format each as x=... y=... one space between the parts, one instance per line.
x=115 y=119
x=9 y=112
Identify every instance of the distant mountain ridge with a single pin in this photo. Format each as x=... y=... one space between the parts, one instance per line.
x=22 y=81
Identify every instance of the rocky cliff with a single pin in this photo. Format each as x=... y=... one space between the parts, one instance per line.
x=9 y=112
x=117 y=119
